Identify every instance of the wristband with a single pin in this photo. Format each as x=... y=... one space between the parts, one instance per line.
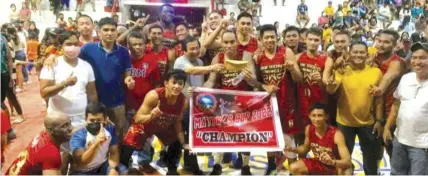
x=381 y=121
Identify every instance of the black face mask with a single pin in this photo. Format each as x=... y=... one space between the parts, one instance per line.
x=93 y=127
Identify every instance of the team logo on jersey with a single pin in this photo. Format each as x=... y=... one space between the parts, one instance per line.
x=140 y=72
x=206 y=103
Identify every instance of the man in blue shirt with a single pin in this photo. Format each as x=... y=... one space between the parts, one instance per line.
x=302 y=14
x=95 y=149
x=112 y=68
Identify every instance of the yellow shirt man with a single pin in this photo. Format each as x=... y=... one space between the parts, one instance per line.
x=329 y=11
x=346 y=11
x=372 y=51
x=355 y=103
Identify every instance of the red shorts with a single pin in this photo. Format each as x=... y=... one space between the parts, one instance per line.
x=316 y=167
x=291 y=124
x=137 y=136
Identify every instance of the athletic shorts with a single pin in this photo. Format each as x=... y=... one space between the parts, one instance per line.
x=316 y=167
x=137 y=136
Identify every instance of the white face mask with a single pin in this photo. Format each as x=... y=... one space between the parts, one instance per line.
x=71 y=52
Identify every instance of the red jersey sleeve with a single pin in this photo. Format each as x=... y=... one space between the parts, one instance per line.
x=5 y=123
x=50 y=158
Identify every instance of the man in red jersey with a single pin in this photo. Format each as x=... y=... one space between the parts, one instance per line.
x=146 y=74
x=156 y=49
x=331 y=156
x=160 y=115
x=244 y=29
x=335 y=61
x=165 y=22
x=278 y=70
x=311 y=64
x=42 y=155
x=145 y=71
x=392 y=67
x=225 y=80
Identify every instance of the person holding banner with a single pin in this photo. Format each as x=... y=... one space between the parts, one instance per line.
x=327 y=143
x=160 y=115
x=239 y=67
x=276 y=64
x=194 y=67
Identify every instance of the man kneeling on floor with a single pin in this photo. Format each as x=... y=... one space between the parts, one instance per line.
x=95 y=148
x=326 y=143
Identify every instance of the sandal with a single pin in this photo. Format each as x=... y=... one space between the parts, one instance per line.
x=19 y=119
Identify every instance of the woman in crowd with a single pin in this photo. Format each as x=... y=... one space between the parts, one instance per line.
x=14 y=15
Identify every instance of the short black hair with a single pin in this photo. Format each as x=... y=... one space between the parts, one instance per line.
x=135 y=34
x=315 y=31
x=267 y=27
x=187 y=40
x=318 y=105
x=65 y=35
x=393 y=33
x=244 y=14
x=289 y=29
x=177 y=74
x=107 y=21
x=337 y=27
x=96 y=108
x=358 y=43
x=84 y=16
x=155 y=26
x=342 y=32
x=303 y=30
x=166 y=5
x=181 y=24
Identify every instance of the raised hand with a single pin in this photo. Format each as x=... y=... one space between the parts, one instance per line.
x=156 y=112
x=101 y=137
x=71 y=80
x=375 y=90
x=130 y=83
x=142 y=21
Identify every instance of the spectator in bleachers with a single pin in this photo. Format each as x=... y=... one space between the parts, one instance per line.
x=14 y=15
x=65 y=4
x=244 y=5
x=302 y=14
x=329 y=10
x=257 y=5
x=283 y=2
x=24 y=13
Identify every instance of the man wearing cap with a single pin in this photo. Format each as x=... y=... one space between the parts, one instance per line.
x=409 y=113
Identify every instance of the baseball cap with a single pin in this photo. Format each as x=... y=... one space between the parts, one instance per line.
x=418 y=46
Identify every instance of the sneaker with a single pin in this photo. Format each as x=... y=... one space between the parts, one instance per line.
x=198 y=172
x=18 y=90
x=19 y=119
x=245 y=170
x=172 y=171
x=270 y=170
x=217 y=170
x=11 y=134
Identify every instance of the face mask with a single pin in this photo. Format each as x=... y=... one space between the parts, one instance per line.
x=71 y=52
x=93 y=128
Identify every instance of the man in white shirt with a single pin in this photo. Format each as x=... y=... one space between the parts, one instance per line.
x=70 y=83
x=194 y=67
x=410 y=114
